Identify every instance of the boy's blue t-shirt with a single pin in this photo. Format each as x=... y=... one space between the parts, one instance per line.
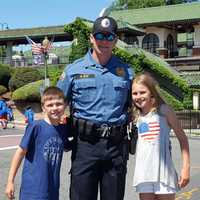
x=41 y=171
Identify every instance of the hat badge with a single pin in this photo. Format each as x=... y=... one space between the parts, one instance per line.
x=105 y=23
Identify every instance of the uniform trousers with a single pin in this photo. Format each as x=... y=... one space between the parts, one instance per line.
x=100 y=165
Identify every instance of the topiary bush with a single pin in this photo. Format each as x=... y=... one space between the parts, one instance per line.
x=29 y=92
x=81 y=32
x=3 y=89
x=23 y=76
x=169 y=99
x=4 y=75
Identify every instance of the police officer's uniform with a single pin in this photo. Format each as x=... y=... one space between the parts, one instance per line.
x=98 y=98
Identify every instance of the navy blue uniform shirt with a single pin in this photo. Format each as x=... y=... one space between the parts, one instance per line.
x=97 y=93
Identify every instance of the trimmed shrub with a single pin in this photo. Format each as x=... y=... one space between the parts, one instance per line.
x=23 y=76
x=3 y=89
x=80 y=31
x=4 y=75
x=29 y=92
x=169 y=99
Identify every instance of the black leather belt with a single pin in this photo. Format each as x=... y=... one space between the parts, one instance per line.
x=88 y=128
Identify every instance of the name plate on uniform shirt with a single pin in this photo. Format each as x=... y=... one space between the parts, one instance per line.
x=83 y=76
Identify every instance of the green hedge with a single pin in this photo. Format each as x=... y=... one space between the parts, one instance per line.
x=175 y=104
x=3 y=89
x=81 y=33
x=22 y=76
x=29 y=92
x=5 y=74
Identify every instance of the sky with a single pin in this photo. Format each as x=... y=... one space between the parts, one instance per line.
x=37 y=13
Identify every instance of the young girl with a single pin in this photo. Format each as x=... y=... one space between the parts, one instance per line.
x=155 y=176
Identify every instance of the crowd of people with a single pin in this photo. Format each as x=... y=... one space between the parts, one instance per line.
x=104 y=96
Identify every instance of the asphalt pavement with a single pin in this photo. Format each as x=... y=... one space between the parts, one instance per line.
x=11 y=136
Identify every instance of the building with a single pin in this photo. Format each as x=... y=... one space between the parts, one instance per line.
x=172 y=33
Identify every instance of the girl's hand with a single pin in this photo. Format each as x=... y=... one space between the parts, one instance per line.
x=10 y=190
x=184 y=178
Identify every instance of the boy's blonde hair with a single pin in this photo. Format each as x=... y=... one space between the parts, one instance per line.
x=50 y=93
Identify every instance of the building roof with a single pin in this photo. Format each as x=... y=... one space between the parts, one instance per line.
x=125 y=26
x=162 y=14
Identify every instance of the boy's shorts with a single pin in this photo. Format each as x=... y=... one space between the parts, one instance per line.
x=156 y=188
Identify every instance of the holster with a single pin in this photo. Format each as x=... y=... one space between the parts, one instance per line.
x=89 y=131
x=133 y=137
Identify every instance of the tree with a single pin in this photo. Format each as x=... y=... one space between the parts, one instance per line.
x=172 y=2
x=134 y=4
x=80 y=34
x=2 y=51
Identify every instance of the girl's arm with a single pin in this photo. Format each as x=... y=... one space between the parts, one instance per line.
x=16 y=161
x=183 y=141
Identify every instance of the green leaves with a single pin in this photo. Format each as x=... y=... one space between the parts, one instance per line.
x=80 y=32
x=23 y=76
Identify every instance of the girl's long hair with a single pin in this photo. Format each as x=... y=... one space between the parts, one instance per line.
x=147 y=80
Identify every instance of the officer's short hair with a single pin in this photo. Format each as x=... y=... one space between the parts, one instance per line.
x=52 y=92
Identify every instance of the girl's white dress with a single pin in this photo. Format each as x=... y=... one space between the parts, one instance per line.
x=153 y=157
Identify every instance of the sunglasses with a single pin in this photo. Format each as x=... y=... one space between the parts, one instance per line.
x=101 y=36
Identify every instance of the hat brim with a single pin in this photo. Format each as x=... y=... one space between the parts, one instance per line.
x=104 y=31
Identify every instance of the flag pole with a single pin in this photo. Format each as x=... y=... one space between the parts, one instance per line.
x=45 y=46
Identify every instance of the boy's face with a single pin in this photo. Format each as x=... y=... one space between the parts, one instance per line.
x=54 y=109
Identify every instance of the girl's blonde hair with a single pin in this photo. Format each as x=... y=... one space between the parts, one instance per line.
x=147 y=80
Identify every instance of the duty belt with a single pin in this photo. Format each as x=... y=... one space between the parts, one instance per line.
x=88 y=128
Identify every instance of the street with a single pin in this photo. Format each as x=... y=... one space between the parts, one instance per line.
x=10 y=137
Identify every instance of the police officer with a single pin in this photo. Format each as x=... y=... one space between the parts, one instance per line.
x=97 y=87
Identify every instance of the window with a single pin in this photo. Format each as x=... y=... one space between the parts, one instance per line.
x=170 y=46
x=150 y=43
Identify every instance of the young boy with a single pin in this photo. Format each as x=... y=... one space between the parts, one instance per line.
x=29 y=115
x=42 y=146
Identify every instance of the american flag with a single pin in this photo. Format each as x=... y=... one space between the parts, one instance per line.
x=36 y=48
x=149 y=131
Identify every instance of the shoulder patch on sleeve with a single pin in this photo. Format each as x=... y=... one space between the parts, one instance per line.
x=62 y=77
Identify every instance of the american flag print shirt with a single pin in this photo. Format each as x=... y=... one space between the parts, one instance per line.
x=149 y=130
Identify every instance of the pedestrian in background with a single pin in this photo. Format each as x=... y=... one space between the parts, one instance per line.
x=10 y=116
x=29 y=115
x=42 y=146
x=155 y=176
x=3 y=114
x=98 y=89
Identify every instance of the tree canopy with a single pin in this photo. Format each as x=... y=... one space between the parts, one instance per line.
x=134 y=4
